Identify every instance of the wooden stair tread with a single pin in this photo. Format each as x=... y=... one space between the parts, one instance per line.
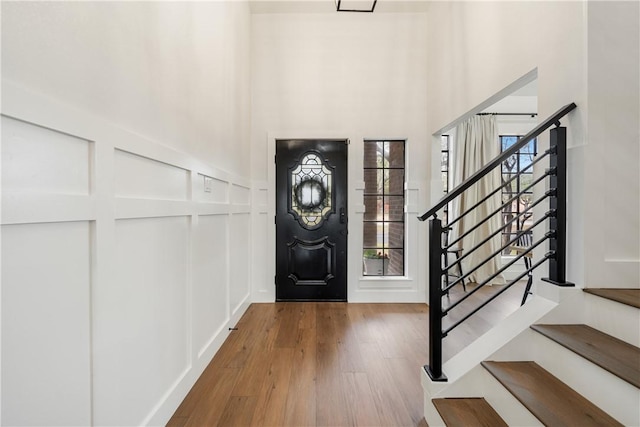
x=467 y=412
x=550 y=400
x=616 y=356
x=625 y=296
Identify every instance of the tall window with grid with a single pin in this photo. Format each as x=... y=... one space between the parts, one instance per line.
x=383 y=234
x=520 y=163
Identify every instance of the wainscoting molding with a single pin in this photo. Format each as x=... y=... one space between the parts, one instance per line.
x=124 y=264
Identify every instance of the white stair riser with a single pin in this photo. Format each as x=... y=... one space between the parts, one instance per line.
x=613 y=318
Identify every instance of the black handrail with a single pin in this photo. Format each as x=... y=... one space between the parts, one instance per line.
x=553 y=119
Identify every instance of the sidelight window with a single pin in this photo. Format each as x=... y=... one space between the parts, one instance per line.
x=383 y=237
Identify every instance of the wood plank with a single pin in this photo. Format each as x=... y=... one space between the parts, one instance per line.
x=348 y=351
x=359 y=400
x=212 y=403
x=364 y=322
x=270 y=407
x=616 y=356
x=236 y=349
x=263 y=336
x=625 y=296
x=390 y=404
x=546 y=397
x=253 y=375
x=289 y=315
x=331 y=408
x=300 y=408
x=403 y=371
x=238 y=412
x=468 y=412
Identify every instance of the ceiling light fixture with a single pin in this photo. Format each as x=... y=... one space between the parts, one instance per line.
x=355 y=5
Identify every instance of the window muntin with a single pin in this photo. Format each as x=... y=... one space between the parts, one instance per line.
x=383 y=228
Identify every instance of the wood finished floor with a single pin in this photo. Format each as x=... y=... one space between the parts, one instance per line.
x=326 y=364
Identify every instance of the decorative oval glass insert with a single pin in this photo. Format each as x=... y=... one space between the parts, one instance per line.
x=309 y=194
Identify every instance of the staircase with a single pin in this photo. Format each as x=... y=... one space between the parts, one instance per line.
x=578 y=364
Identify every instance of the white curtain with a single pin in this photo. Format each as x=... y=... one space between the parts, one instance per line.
x=476 y=143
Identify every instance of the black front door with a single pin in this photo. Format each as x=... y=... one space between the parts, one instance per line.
x=311 y=220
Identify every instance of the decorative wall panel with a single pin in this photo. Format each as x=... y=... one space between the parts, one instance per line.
x=141 y=320
x=137 y=176
x=46 y=344
x=210 y=278
x=37 y=159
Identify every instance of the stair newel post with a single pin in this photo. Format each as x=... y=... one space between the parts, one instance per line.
x=434 y=368
x=558 y=204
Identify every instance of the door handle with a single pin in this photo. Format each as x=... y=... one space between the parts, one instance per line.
x=343 y=216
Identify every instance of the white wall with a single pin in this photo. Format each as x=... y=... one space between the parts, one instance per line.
x=174 y=72
x=352 y=76
x=125 y=205
x=612 y=222
x=583 y=52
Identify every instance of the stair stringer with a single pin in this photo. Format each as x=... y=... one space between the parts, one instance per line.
x=465 y=374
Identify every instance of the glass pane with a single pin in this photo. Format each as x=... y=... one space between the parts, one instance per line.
x=525 y=201
x=371 y=181
x=372 y=208
x=382 y=161
x=372 y=234
x=525 y=181
x=394 y=208
x=396 y=181
x=395 y=234
x=383 y=180
x=370 y=154
x=395 y=258
x=511 y=186
x=507 y=141
x=444 y=143
x=374 y=263
x=444 y=161
x=525 y=162
x=445 y=182
x=383 y=228
x=526 y=222
x=395 y=154
x=529 y=148
x=510 y=165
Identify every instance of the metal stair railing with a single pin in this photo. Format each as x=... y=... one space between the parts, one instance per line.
x=555 y=217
